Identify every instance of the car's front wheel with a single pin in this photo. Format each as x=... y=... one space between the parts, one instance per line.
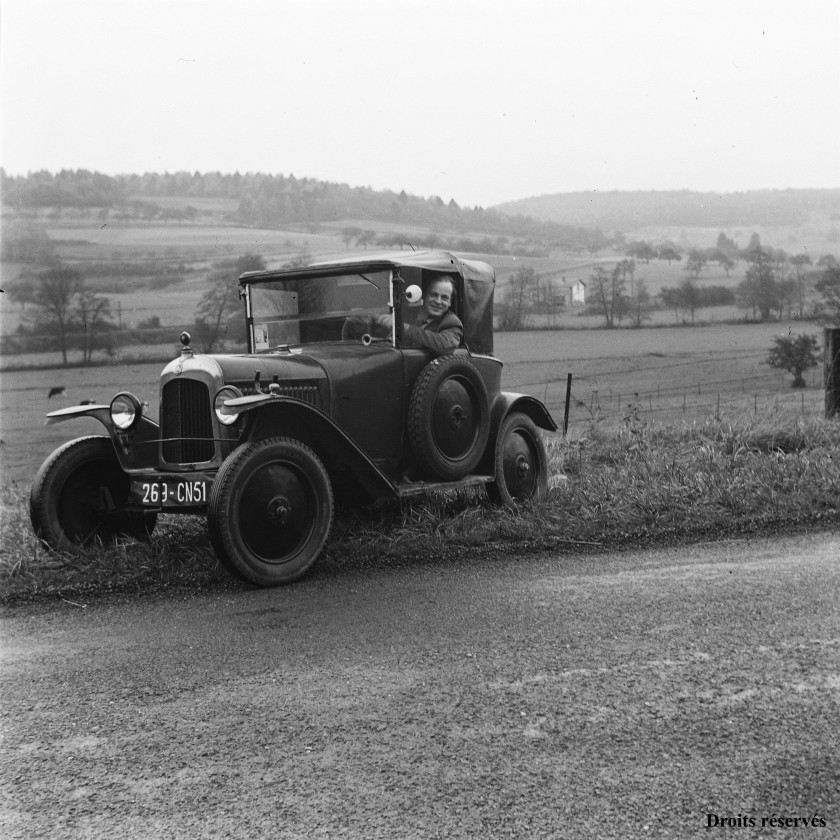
x=270 y=511
x=79 y=494
x=520 y=462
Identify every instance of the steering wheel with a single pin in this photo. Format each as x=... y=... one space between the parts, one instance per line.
x=366 y=328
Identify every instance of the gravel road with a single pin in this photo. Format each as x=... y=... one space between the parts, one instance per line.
x=601 y=696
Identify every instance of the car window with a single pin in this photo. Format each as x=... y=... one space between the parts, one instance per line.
x=317 y=309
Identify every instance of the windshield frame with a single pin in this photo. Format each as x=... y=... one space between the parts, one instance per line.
x=260 y=342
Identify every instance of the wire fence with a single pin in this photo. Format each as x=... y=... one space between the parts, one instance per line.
x=614 y=395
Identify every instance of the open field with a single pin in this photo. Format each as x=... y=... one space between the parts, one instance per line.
x=668 y=373
x=818 y=235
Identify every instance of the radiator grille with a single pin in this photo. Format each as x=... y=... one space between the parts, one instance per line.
x=186 y=424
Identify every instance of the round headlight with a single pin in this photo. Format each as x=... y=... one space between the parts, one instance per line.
x=126 y=411
x=226 y=393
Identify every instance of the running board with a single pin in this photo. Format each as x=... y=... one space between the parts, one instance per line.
x=419 y=488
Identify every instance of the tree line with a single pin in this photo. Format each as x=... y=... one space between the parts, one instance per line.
x=775 y=285
x=269 y=200
x=62 y=312
x=635 y=209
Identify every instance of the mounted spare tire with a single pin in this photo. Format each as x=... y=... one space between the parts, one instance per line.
x=448 y=417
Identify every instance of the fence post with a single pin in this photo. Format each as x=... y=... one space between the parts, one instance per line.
x=832 y=372
x=568 y=401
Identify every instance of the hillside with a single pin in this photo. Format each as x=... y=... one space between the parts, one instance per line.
x=625 y=211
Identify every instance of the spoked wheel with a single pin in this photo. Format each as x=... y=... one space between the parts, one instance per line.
x=520 y=462
x=79 y=494
x=270 y=511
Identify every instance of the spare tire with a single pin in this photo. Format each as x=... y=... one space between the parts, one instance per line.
x=448 y=417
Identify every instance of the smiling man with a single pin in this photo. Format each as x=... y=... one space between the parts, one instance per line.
x=437 y=328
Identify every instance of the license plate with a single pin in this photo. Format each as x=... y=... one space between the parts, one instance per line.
x=171 y=492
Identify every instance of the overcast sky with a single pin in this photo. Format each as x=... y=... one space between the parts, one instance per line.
x=482 y=102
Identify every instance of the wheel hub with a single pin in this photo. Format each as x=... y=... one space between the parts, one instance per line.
x=522 y=466
x=279 y=509
x=457 y=416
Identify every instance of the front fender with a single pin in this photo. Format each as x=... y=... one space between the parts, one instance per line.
x=277 y=416
x=135 y=450
x=100 y=412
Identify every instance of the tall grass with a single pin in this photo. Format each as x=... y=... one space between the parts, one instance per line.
x=630 y=483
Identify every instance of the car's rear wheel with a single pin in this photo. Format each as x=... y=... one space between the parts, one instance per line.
x=520 y=462
x=79 y=494
x=448 y=417
x=270 y=511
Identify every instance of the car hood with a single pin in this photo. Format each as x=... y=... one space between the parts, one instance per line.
x=287 y=367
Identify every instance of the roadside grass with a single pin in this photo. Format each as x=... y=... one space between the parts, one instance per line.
x=629 y=484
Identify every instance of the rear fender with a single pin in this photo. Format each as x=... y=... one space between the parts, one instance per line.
x=135 y=450
x=536 y=410
x=504 y=404
x=273 y=416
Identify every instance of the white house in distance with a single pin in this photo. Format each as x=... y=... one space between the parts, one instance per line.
x=574 y=291
x=565 y=291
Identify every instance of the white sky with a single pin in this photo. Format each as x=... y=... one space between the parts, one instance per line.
x=480 y=101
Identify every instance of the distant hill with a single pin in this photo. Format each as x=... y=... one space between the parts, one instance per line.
x=629 y=211
x=271 y=201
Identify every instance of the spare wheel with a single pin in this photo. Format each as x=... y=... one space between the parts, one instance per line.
x=448 y=417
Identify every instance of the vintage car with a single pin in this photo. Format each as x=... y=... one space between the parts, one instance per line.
x=331 y=400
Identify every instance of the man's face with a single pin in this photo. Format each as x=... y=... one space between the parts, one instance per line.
x=437 y=298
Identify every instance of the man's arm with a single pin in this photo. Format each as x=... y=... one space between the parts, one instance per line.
x=444 y=339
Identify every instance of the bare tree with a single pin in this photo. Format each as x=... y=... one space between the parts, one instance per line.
x=54 y=292
x=828 y=287
x=92 y=310
x=521 y=287
x=608 y=291
x=221 y=300
x=800 y=274
x=689 y=297
x=759 y=290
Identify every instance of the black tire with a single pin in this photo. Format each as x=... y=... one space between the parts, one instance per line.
x=520 y=462
x=448 y=418
x=270 y=511
x=76 y=498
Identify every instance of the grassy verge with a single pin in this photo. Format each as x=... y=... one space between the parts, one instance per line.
x=631 y=484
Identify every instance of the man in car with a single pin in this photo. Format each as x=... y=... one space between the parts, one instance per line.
x=437 y=327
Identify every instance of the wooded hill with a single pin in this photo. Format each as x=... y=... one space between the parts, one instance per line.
x=572 y=222
x=629 y=211
x=273 y=201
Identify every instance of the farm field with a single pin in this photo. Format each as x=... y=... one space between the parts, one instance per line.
x=189 y=249
x=671 y=374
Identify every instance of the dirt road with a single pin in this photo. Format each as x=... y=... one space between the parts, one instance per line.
x=628 y=695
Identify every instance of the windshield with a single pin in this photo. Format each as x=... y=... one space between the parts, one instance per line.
x=316 y=309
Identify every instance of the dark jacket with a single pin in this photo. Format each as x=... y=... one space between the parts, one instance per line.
x=441 y=335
